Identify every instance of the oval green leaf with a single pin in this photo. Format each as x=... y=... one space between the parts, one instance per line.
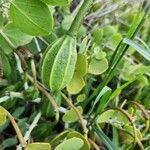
x=70 y=116
x=17 y=37
x=12 y=34
x=86 y=145
x=97 y=35
x=81 y=98
x=126 y=134
x=76 y=84
x=100 y=55
x=58 y=63
x=60 y=137
x=70 y=144
x=97 y=67
x=81 y=64
x=31 y=16
x=113 y=117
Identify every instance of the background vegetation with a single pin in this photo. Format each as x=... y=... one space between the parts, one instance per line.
x=106 y=103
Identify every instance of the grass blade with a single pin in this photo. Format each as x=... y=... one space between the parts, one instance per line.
x=144 y=52
x=105 y=140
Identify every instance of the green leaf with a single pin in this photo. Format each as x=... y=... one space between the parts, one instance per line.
x=57 y=2
x=55 y=141
x=109 y=31
x=113 y=117
x=127 y=135
x=97 y=35
x=38 y=146
x=81 y=97
x=147 y=148
x=58 y=63
x=96 y=6
x=143 y=81
x=133 y=71
x=100 y=55
x=84 y=45
x=17 y=37
x=82 y=32
x=9 y=142
x=81 y=64
x=116 y=39
x=66 y=23
x=70 y=116
x=70 y=144
x=47 y=109
x=97 y=67
x=105 y=91
x=86 y=145
x=10 y=34
x=31 y=94
x=35 y=16
x=76 y=84
x=43 y=130
x=3 y=116
x=144 y=52
x=18 y=112
x=104 y=101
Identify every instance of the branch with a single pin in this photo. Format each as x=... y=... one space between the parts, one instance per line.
x=96 y=147
x=18 y=132
x=82 y=121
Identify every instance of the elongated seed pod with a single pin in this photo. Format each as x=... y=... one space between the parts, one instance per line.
x=58 y=63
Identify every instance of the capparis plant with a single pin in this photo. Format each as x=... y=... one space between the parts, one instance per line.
x=74 y=75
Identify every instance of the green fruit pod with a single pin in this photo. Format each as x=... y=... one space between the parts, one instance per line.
x=58 y=63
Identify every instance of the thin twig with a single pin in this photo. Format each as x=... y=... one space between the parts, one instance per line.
x=146 y=115
x=18 y=132
x=50 y=98
x=136 y=139
x=141 y=108
x=82 y=121
x=96 y=147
